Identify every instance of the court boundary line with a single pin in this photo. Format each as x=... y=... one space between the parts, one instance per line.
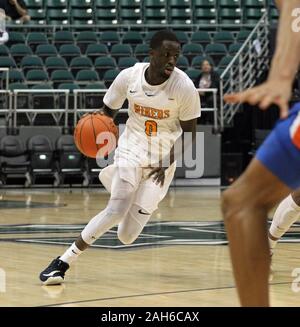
x=147 y=294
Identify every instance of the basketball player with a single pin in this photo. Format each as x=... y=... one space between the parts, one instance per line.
x=287 y=213
x=163 y=102
x=272 y=174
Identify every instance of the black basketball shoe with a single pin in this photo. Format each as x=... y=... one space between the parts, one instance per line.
x=54 y=274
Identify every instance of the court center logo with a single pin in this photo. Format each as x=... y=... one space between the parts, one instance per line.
x=164 y=233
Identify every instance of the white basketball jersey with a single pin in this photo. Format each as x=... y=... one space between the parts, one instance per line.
x=154 y=113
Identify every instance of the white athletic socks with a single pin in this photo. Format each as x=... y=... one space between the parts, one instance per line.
x=285 y=215
x=71 y=254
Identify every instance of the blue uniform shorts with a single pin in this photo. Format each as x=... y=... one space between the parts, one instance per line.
x=280 y=152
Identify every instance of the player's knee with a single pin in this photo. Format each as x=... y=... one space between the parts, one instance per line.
x=126 y=238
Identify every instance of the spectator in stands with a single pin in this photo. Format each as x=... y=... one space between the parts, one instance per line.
x=207 y=79
x=3 y=34
x=15 y=10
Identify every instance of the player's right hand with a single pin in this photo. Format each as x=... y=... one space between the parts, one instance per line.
x=273 y=91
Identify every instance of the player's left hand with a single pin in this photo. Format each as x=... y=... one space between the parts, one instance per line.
x=158 y=174
x=273 y=91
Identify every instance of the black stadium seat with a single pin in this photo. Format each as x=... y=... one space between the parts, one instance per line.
x=70 y=160
x=14 y=159
x=42 y=158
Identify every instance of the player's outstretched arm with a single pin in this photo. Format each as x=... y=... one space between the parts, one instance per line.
x=285 y=63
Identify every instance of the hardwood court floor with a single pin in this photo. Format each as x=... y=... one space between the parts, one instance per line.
x=179 y=260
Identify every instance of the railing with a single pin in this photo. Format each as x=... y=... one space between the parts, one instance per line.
x=245 y=68
x=12 y=110
x=32 y=113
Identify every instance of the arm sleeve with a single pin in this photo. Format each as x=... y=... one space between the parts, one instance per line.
x=117 y=92
x=190 y=107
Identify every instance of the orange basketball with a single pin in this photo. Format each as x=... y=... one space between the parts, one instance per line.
x=96 y=135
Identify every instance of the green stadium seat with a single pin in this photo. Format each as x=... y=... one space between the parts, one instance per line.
x=42 y=86
x=4 y=50
x=81 y=4
x=141 y=51
x=15 y=38
x=58 y=16
x=109 y=38
x=14 y=76
x=37 y=16
x=132 y=38
x=182 y=37
x=191 y=50
x=254 y=3
x=109 y=76
x=155 y=3
x=56 y=4
x=31 y=62
x=230 y=15
x=84 y=77
x=121 y=50
x=55 y=63
x=36 y=38
x=94 y=51
x=36 y=76
x=85 y=16
x=216 y=51
x=61 y=76
x=125 y=62
x=252 y=15
x=205 y=16
x=230 y=3
x=182 y=63
x=234 y=48
x=201 y=37
x=106 y=16
x=225 y=61
x=68 y=86
x=130 y=16
x=96 y=86
x=204 y=3
x=223 y=37
x=100 y=4
x=85 y=38
x=193 y=74
x=80 y=63
x=197 y=61
x=242 y=35
x=7 y=62
x=274 y=15
x=35 y=4
x=17 y=86
x=149 y=36
x=46 y=50
x=146 y=59
x=102 y=64
x=155 y=16
x=129 y=3
x=18 y=51
x=69 y=51
x=185 y=4
x=180 y=16
x=63 y=37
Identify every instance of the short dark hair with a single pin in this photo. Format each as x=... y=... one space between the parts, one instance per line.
x=159 y=37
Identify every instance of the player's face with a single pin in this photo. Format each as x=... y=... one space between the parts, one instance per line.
x=164 y=59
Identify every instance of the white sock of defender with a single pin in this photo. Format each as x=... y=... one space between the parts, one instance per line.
x=285 y=215
x=71 y=254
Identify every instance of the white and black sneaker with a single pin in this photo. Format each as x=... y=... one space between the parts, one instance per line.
x=54 y=274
